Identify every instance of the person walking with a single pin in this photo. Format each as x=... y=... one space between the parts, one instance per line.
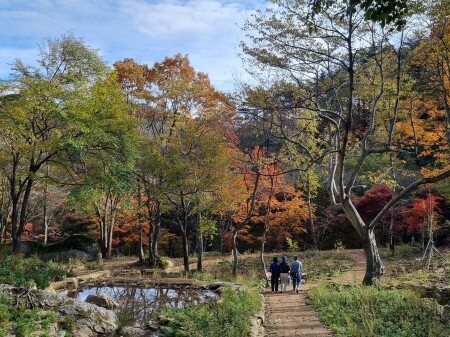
x=296 y=273
x=284 y=273
x=275 y=270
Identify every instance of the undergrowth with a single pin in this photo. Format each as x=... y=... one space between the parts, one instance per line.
x=19 y=271
x=372 y=311
x=228 y=317
x=23 y=322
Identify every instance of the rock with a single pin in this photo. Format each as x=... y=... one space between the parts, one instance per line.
x=87 y=315
x=218 y=285
x=70 y=283
x=447 y=309
x=133 y=331
x=78 y=254
x=442 y=295
x=90 y=319
x=102 y=300
x=257 y=325
x=94 y=276
x=97 y=319
x=83 y=331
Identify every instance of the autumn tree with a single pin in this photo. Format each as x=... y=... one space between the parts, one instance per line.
x=323 y=56
x=422 y=215
x=181 y=117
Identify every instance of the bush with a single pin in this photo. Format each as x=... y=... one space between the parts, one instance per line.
x=23 y=272
x=22 y=321
x=372 y=311
x=229 y=317
x=163 y=262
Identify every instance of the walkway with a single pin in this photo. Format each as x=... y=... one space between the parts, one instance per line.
x=289 y=315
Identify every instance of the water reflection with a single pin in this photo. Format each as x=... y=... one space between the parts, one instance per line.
x=138 y=305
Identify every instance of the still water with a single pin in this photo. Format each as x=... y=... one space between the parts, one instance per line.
x=138 y=305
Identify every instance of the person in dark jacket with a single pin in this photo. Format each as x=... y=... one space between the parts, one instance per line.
x=275 y=270
x=284 y=273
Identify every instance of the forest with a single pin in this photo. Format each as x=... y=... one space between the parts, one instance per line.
x=340 y=143
x=344 y=142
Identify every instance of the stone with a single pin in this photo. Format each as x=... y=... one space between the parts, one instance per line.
x=102 y=300
x=90 y=319
x=442 y=295
x=97 y=319
x=94 y=276
x=446 y=309
x=70 y=283
x=216 y=286
x=133 y=331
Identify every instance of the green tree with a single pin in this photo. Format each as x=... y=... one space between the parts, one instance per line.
x=104 y=163
x=39 y=118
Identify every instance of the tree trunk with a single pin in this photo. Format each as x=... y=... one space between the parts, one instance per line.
x=46 y=209
x=199 y=244
x=111 y=230
x=311 y=231
x=374 y=265
x=235 y=252
x=185 y=251
x=391 y=233
x=155 y=236
x=19 y=221
x=261 y=255
x=139 y=220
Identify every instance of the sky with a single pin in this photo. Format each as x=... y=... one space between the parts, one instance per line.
x=145 y=30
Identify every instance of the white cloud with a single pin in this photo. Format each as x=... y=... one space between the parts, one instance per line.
x=147 y=30
x=169 y=19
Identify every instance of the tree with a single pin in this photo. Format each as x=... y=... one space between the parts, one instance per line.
x=384 y=12
x=185 y=154
x=104 y=166
x=39 y=119
x=422 y=215
x=324 y=63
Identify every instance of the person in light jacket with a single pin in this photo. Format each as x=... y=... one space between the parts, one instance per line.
x=296 y=273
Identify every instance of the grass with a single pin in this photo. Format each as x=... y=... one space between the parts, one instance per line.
x=228 y=317
x=377 y=312
x=406 y=266
x=317 y=264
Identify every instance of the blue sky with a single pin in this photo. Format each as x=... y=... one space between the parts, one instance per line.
x=146 y=30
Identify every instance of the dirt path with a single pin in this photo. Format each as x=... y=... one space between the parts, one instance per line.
x=288 y=314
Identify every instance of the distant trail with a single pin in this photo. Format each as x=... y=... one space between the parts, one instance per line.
x=288 y=315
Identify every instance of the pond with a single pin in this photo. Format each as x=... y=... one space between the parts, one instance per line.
x=138 y=305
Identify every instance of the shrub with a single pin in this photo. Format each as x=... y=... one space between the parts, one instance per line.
x=163 y=262
x=23 y=272
x=229 y=317
x=372 y=311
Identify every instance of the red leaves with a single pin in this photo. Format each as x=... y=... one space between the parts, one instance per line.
x=422 y=213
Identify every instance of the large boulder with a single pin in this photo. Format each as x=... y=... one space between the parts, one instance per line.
x=76 y=246
x=97 y=319
x=90 y=319
x=102 y=300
